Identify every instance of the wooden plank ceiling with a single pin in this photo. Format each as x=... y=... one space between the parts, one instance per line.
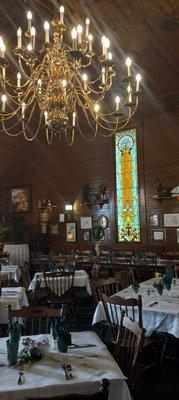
x=148 y=31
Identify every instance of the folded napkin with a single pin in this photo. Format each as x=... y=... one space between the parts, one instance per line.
x=61 y=334
x=13 y=343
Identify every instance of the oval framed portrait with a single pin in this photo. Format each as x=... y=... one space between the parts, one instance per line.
x=103 y=221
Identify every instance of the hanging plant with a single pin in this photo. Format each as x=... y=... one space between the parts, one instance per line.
x=98 y=232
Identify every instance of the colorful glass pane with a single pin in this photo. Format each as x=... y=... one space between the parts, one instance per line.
x=128 y=220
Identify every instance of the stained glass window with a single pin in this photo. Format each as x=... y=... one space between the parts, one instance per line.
x=128 y=220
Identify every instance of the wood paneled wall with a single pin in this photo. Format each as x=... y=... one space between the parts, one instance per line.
x=58 y=172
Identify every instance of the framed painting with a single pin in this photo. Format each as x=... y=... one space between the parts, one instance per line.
x=86 y=236
x=54 y=229
x=20 y=199
x=154 y=220
x=159 y=235
x=71 y=232
x=86 y=222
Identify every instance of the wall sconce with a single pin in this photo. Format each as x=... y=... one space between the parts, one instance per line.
x=69 y=207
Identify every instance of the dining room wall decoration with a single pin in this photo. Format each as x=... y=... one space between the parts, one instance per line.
x=154 y=220
x=86 y=222
x=171 y=220
x=86 y=236
x=71 y=236
x=159 y=235
x=54 y=229
x=20 y=199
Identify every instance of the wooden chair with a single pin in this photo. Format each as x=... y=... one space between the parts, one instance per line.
x=144 y=272
x=101 y=394
x=128 y=347
x=4 y=280
x=124 y=277
x=103 y=286
x=60 y=289
x=36 y=319
x=25 y=276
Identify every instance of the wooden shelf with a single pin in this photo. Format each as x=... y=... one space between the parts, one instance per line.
x=96 y=203
x=161 y=198
x=46 y=207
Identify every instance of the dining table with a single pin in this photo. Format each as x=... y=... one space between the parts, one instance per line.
x=81 y=279
x=89 y=362
x=14 y=296
x=12 y=271
x=18 y=253
x=160 y=313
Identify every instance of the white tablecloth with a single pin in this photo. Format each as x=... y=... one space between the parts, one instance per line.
x=19 y=253
x=161 y=317
x=13 y=271
x=16 y=296
x=47 y=378
x=81 y=279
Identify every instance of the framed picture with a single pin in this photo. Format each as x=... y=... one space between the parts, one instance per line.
x=177 y=235
x=61 y=217
x=154 y=220
x=159 y=235
x=44 y=228
x=71 y=232
x=20 y=199
x=86 y=236
x=86 y=222
x=54 y=229
x=171 y=220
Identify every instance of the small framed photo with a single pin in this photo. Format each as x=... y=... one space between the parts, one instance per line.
x=20 y=199
x=71 y=232
x=159 y=235
x=86 y=236
x=61 y=217
x=154 y=220
x=44 y=228
x=54 y=229
x=86 y=222
x=178 y=235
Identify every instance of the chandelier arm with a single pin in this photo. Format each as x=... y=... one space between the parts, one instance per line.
x=49 y=140
x=38 y=127
x=72 y=137
x=6 y=131
x=117 y=127
x=84 y=137
x=22 y=69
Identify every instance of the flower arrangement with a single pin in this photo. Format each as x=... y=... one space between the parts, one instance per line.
x=159 y=285
x=167 y=277
x=33 y=350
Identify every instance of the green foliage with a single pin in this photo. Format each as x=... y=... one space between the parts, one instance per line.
x=98 y=232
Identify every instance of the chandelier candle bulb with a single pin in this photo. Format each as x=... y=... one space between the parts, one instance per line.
x=106 y=46
x=128 y=65
x=117 y=100
x=2 y=49
x=19 y=38
x=39 y=85
x=62 y=10
x=3 y=98
x=46 y=27
x=90 y=38
x=85 y=78
x=103 y=75
x=18 y=79
x=64 y=84
x=33 y=32
x=138 y=79
x=74 y=119
x=45 y=116
x=87 y=26
x=129 y=90
x=74 y=36
x=23 y=110
x=103 y=40
x=29 y=20
x=79 y=33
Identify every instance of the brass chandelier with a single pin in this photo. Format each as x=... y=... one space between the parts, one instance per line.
x=54 y=82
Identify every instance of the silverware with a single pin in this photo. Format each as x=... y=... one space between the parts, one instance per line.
x=21 y=378
x=153 y=304
x=80 y=346
x=68 y=374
